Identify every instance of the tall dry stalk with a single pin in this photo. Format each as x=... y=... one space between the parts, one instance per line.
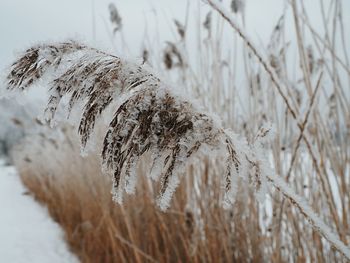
x=325 y=231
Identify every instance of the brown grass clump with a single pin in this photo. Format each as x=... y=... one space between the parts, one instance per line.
x=195 y=229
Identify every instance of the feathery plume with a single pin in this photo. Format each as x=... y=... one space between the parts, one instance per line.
x=180 y=29
x=150 y=117
x=115 y=18
x=237 y=6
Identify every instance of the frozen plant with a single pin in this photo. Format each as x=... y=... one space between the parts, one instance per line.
x=150 y=116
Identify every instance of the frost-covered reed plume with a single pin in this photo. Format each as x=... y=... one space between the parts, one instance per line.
x=149 y=116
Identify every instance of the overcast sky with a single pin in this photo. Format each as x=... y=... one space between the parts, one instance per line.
x=26 y=22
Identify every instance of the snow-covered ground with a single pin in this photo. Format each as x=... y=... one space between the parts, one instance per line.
x=27 y=233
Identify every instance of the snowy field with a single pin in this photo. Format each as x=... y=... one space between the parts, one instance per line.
x=27 y=233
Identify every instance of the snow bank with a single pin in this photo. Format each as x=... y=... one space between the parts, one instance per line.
x=27 y=233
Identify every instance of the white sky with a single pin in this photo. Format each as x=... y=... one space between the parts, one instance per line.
x=26 y=22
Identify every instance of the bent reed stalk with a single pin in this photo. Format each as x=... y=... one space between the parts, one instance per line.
x=150 y=117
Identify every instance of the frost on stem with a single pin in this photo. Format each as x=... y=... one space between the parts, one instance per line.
x=261 y=163
x=150 y=117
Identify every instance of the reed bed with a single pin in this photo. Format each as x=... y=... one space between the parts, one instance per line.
x=311 y=112
x=195 y=228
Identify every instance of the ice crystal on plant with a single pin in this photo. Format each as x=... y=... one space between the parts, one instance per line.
x=150 y=117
